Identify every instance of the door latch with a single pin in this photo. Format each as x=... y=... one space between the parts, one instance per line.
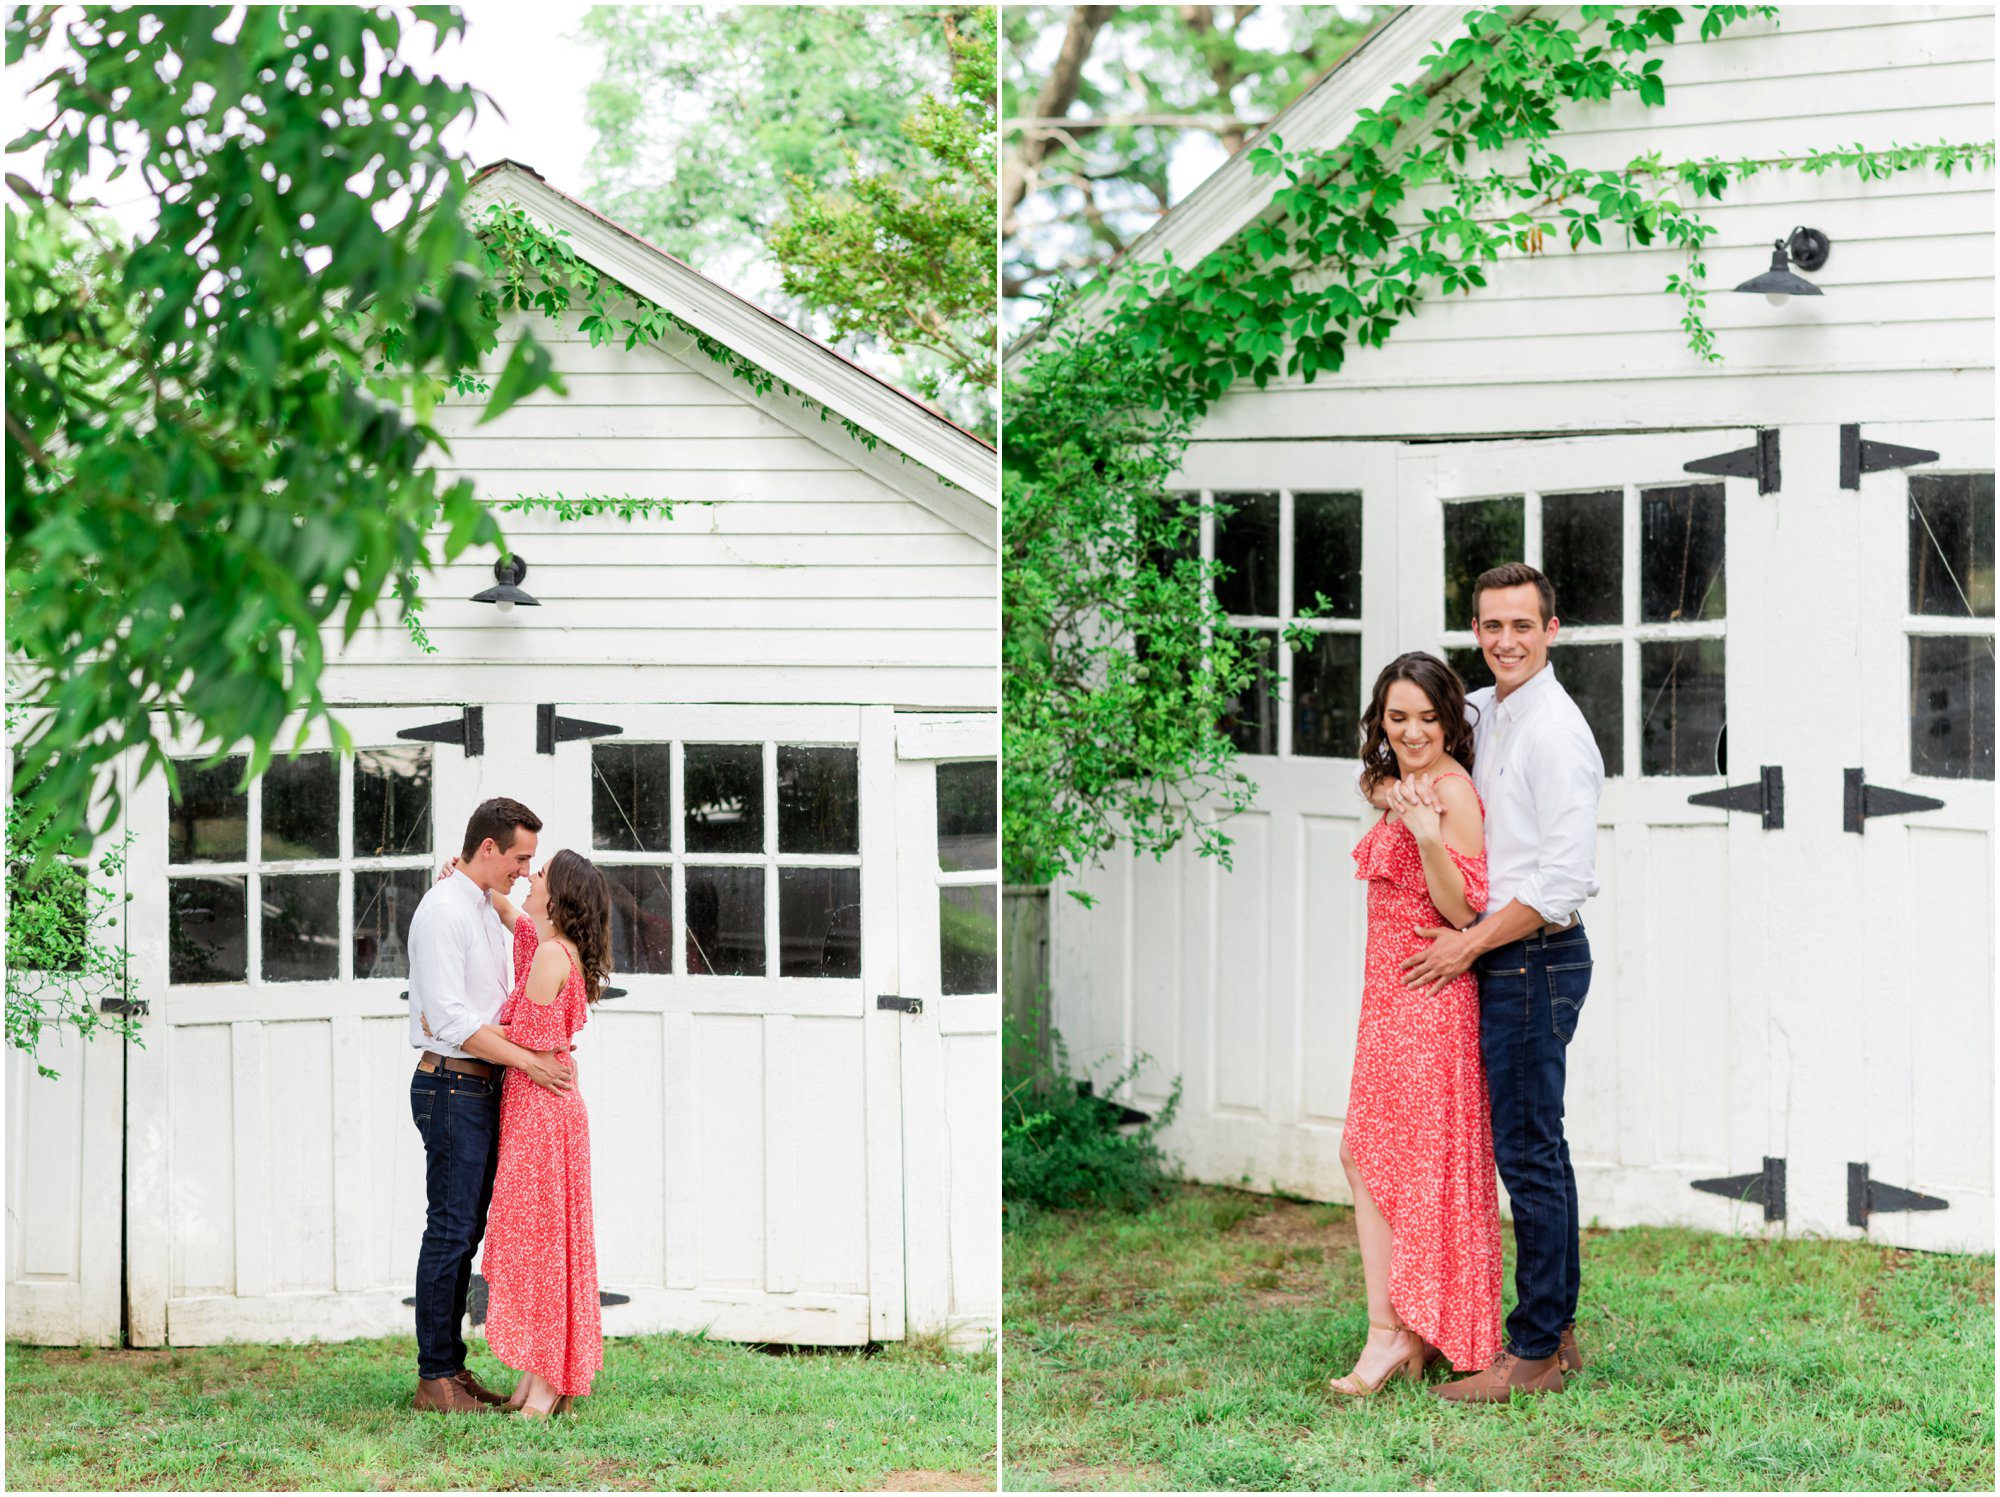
x=900 y=1005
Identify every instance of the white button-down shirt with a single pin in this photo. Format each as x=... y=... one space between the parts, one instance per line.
x=1538 y=770
x=459 y=960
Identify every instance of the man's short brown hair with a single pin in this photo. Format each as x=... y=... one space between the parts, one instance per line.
x=1515 y=574
x=497 y=818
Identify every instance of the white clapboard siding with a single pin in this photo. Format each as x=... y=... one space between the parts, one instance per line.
x=786 y=572
x=1907 y=289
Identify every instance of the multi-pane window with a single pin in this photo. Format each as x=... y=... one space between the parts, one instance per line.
x=1639 y=582
x=968 y=854
x=1951 y=629
x=312 y=874
x=1285 y=551
x=751 y=850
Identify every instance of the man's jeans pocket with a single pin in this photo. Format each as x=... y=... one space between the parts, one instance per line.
x=1569 y=984
x=420 y=1109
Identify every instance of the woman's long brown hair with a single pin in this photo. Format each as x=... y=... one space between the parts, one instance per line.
x=580 y=910
x=1435 y=680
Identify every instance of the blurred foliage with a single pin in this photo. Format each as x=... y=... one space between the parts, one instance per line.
x=218 y=432
x=849 y=147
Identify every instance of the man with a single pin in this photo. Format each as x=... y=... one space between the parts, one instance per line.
x=460 y=974
x=1540 y=775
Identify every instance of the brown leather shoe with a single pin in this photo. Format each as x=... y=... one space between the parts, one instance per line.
x=1506 y=1377
x=1566 y=1353
x=477 y=1389
x=445 y=1395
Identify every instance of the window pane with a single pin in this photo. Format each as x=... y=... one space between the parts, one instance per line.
x=819 y=922
x=631 y=804
x=1326 y=552
x=819 y=799
x=1681 y=707
x=384 y=901
x=1470 y=663
x=1583 y=548
x=301 y=927
x=207 y=936
x=1251 y=718
x=725 y=797
x=1326 y=697
x=392 y=802
x=1951 y=544
x=302 y=808
x=1478 y=535
x=1680 y=554
x=725 y=921
x=1246 y=542
x=968 y=815
x=1594 y=677
x=642 y=920
x=210 y=823
x=969 y=939
x=1951 y=707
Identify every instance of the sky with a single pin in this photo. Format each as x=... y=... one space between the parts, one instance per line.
x=523 y=56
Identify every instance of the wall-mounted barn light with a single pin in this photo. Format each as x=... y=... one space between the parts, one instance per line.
x=1808 y=249
x=507 y=573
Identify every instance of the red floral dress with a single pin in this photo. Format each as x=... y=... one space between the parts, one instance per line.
x=1418 y=1123
x=540 y=1259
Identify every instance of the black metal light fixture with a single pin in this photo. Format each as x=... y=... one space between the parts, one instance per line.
x=507 y=573
x=1806 y=248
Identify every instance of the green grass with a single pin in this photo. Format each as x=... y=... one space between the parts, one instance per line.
x=1188 y=1347
x=668 y=1412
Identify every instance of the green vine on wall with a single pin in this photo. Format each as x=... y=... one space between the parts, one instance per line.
x=530 y=268
x=1119 y=661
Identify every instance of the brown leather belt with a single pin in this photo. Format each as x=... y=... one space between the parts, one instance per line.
x=431 y=1061
x=1552 y=929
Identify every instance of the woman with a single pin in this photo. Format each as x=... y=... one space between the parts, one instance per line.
x=540 y=1258
x=1418 y=1146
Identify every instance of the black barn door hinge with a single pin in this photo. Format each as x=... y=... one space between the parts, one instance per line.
x=1765 y=795
x=1766 y=1188
x=468 y=731
x=1866 y=1196
x=1861 y=801
x=1859 y=455
x=551 y=730
x=1759 y=461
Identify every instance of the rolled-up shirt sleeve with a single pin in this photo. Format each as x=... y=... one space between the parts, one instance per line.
x=437 y=977
x=1566 y=778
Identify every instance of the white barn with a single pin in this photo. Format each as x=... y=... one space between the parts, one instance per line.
x=1791 y=1021
x=769 y=718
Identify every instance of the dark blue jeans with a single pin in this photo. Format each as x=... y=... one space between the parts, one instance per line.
x=1530 y=993
x=459 y=1118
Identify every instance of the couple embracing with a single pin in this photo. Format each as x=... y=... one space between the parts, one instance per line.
x=503 y=1123
x=1477 y=965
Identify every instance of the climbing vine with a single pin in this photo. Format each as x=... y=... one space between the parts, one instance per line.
x=530 y=268
x=1119 y=661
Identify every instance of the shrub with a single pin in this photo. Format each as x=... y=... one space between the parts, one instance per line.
x=1062 y=1143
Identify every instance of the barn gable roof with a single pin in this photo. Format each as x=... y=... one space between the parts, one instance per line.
x=950 y=471
x=1232 y=195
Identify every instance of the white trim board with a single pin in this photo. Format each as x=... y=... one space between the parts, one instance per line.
x=967 y=496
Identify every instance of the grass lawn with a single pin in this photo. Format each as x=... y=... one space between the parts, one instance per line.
x=668 y=1412
x=1188 y=1347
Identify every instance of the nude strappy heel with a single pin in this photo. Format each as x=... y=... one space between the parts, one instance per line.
x=1412 y=1367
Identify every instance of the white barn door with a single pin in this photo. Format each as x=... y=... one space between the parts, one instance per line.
x=1918 y=1073
x=948 y=989
x=746 y=1158
x=274 y=1181
x=1672 y=651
